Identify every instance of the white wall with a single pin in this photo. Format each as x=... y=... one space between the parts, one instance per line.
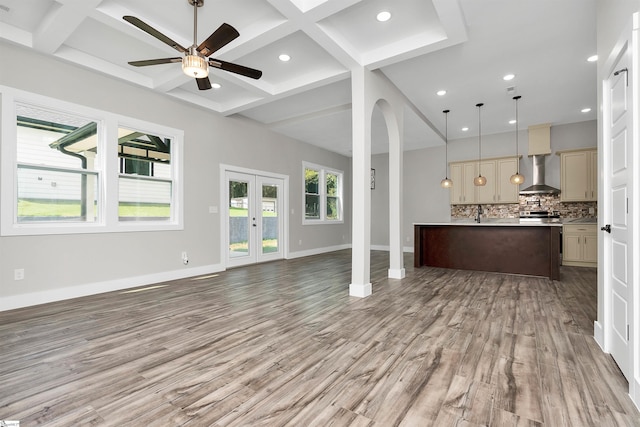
x=59 y=266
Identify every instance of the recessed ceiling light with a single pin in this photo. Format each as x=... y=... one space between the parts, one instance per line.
x=383 y=16
x=284 y=57
x=508 y=77
x=441 y=92
x=512 y=122
x=585 y=110
x=216 y=85
x=592 y=58
x=464 y=129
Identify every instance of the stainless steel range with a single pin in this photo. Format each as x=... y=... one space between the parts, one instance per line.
x=539 y=216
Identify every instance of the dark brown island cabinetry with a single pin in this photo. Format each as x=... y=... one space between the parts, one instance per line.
x=517 y=249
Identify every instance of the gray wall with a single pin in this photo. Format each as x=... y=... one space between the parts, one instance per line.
x=58 y=261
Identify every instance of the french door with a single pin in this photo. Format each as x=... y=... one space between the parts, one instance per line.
x=254 y=218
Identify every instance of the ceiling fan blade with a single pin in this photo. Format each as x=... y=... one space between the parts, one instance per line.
x=203 y=83
x=146 y=62
x=220 y=38
x=235 y=68
x=155 y=33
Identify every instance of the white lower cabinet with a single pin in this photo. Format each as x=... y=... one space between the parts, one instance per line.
x=580 y=245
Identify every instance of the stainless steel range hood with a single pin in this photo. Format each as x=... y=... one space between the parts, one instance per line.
x=539 y=148
x=539 y=187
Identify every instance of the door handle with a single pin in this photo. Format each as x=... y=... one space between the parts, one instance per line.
x=606 y=228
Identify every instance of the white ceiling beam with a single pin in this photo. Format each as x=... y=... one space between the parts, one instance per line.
x=308 y=23
x=61 y=21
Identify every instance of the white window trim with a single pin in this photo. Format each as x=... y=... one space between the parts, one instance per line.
x=108 y=171
x=322 y=194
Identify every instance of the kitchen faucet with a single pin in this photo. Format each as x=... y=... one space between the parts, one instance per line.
x=478 y=214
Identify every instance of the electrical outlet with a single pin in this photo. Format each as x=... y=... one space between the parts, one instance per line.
x=185 y=258
x=299 y=242
x=18 y=274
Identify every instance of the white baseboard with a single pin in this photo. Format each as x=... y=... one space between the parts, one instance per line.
x=360 y=291
x=396 y=273
x=408 y=249
x=634 y=392
x=598 y=334
x=317 y=251
x=60 y=294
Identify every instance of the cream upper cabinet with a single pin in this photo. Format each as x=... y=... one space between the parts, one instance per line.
x=580 y=245
x=487 y=192
x=498 y=189
x=506 y=192
x=593 y=177
x=579 y=175
x=463 y=190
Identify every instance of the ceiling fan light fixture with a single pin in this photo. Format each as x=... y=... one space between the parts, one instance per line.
x=195 y=66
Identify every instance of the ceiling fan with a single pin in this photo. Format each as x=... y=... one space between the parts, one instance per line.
x=195 y=62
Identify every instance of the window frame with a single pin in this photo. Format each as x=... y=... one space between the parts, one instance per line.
x=107 y=169
x=322 y=192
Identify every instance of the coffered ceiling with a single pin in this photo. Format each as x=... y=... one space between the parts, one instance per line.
x=462 y=46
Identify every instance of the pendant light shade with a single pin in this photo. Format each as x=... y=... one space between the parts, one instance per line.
x=480 y=180
x=446 y=182
x=517 y=178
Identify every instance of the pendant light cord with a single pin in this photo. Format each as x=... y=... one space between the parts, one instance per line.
x=446 y=142
x=479 y=138
x=517 y=144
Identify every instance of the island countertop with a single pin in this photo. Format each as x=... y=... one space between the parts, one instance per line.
x=506 y=222
x=530 y=248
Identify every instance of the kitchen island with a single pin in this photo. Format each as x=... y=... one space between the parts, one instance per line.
x=501 y=246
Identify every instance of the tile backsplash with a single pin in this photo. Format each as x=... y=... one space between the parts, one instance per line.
x=542 y=202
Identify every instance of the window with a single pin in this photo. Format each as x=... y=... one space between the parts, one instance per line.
x=145 y=184
x=71 y=169
x=322 y=194
x=55 y=166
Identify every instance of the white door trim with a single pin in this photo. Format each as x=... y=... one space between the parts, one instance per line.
x=628 y=41
x=223 y=211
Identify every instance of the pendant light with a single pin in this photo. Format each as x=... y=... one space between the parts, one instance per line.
x=517 y=178
x=446 y=182
x=480 y=180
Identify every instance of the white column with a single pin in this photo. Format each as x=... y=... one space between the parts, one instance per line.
x=396 y=260
x=361 y=195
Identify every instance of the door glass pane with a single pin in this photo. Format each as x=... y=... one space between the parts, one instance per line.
x=238 y=219
x=270 y=231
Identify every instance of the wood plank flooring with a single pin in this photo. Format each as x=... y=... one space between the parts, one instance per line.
x=282 y=344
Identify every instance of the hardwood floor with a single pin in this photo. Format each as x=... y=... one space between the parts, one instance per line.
x=282 y=343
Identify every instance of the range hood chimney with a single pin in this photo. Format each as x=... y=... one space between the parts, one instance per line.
x=539 y=148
